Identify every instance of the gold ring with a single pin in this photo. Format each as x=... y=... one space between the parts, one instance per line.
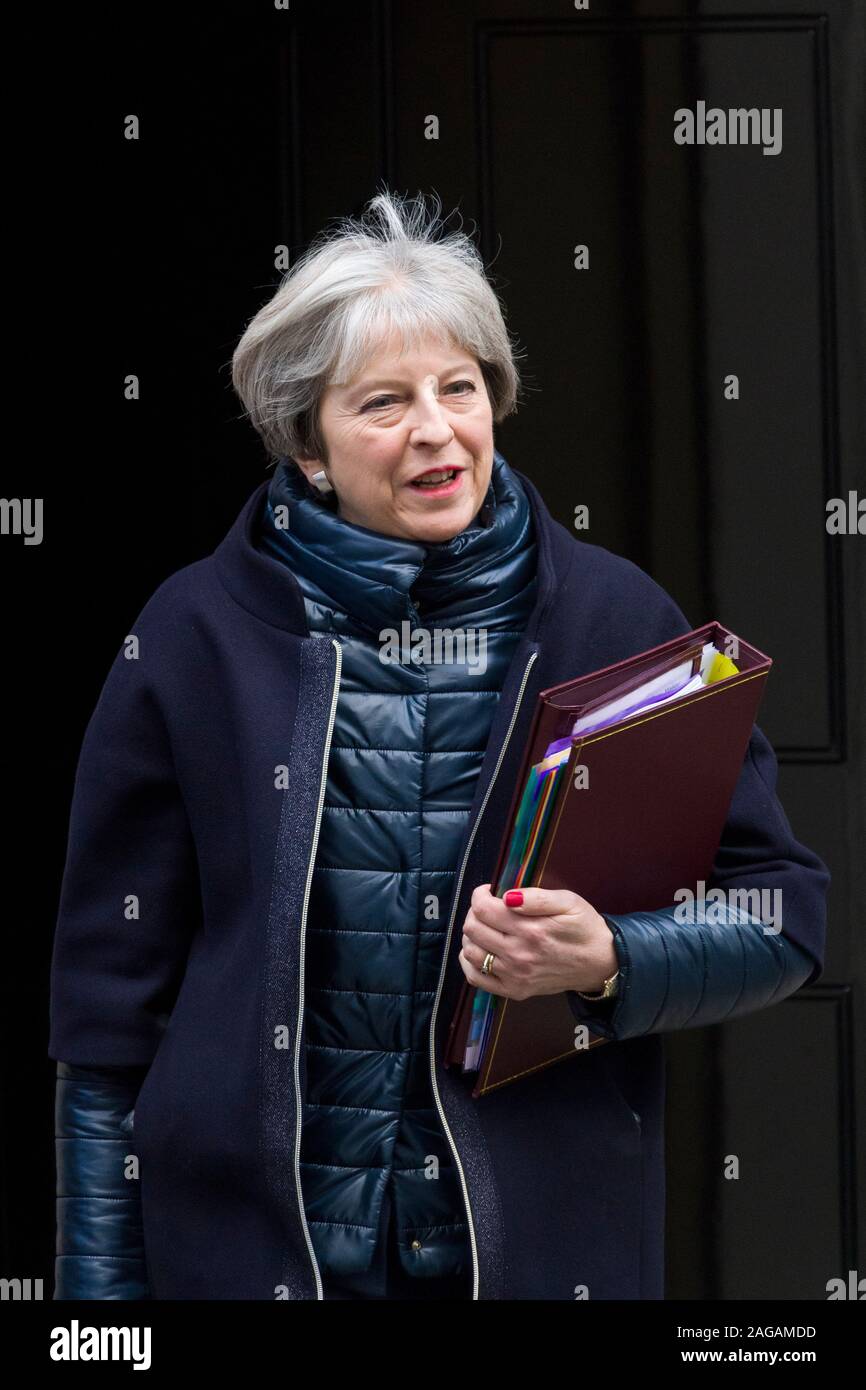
x=488 y=961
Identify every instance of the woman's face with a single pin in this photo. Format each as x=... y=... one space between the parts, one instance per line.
x=405 y=415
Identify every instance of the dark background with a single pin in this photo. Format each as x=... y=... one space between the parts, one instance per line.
x=555 y=129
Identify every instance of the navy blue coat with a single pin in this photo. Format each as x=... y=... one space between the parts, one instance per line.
x=181 y=930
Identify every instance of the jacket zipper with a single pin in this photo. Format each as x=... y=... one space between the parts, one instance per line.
x=456 y=899
x=298 y=1099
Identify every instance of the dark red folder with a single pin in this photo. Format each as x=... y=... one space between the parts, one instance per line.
x=649 y=822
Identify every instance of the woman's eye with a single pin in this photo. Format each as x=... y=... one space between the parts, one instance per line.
x=378 y=401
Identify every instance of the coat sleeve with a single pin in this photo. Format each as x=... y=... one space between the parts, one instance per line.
x=129 y=898
x=681 y=969
x=129 y=905
x=100 y=1243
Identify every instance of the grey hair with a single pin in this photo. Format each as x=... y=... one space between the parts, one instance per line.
x=388 y=269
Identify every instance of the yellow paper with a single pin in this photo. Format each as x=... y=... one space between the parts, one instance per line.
x=722 y=666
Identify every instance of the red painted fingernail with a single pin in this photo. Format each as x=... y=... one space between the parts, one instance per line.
x=514 y=898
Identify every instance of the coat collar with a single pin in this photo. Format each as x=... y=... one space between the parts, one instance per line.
x=266 y=587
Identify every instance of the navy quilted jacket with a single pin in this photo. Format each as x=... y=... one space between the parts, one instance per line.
x=409 y=736
x=188 y=1184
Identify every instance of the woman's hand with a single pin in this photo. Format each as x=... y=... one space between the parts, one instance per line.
x=553 y=942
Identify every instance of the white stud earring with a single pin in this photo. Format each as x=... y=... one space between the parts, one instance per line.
x=320 y=480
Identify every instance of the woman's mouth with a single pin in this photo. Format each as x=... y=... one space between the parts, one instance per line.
x=440 y=483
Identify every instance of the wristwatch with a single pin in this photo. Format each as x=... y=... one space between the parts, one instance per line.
x=609 y=988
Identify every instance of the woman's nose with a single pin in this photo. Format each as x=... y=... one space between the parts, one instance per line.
x=430 y=420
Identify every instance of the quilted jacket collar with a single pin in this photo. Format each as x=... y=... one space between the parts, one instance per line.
x=267 y=588
x=370 y=575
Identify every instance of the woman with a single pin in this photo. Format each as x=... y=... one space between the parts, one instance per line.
x=284 y=820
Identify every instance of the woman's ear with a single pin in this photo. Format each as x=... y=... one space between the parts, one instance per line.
x=308 y=466
x=314 y=471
